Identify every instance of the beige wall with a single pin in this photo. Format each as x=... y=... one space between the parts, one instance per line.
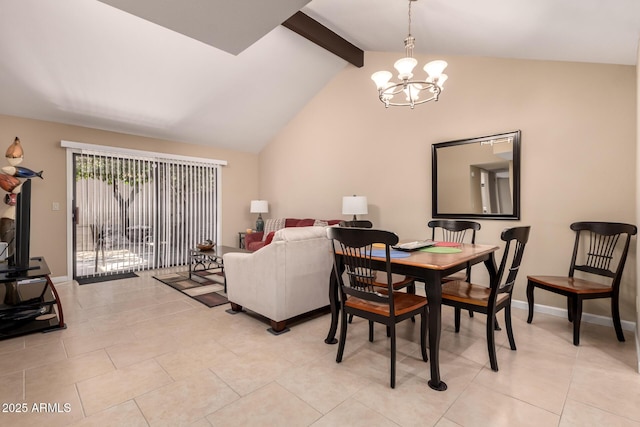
x=41 y=143
x=578 y=125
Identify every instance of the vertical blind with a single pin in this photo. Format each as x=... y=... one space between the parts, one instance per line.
x=134 y=212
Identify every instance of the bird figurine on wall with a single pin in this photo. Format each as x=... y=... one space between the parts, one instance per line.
x=15 y=154
x=21 y=172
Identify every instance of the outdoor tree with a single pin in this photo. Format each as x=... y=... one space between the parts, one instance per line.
x=125 y=177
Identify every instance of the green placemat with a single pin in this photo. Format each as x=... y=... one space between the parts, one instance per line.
x=441 y=250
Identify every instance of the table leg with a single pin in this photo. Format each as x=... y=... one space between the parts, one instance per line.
x=433 y=289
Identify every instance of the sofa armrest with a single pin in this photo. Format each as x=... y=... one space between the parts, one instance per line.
x=256 y=236
x=254 y=281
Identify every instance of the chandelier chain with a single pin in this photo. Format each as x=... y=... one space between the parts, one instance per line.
x=409 y=29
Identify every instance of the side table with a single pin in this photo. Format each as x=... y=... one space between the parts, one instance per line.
x=205 y=260
x=241 y=236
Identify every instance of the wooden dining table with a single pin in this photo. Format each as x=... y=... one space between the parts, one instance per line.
x=430 y=268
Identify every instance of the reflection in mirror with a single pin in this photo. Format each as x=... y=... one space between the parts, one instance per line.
x=477 y=177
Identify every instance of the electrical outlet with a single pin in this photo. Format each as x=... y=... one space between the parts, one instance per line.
x=55 y=206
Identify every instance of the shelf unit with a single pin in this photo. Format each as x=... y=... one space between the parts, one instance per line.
x=29 y=301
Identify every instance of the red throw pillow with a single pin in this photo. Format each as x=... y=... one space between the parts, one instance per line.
x=305 y=222
x=269 y=238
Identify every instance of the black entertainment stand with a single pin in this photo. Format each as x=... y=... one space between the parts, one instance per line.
x=27 y=300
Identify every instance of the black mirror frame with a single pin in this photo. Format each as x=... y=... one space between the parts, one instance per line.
x=515 y=215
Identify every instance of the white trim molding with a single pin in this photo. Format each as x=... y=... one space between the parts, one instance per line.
x=562 y=312
x=92 y=148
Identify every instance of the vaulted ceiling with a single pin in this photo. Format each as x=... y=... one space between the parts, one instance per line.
x=226 y=73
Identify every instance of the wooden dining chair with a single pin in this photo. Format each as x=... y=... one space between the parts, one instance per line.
x=463 y=295
x=456 y=231
x=399 y=283
x=600 y=249
x=361 y=295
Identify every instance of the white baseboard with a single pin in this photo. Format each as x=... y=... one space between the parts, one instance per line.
x=586 y=317
x=562 y=312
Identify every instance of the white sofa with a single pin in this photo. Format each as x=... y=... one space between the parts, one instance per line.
x=284 y=279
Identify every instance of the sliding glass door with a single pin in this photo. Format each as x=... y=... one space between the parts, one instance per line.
x=134 y=212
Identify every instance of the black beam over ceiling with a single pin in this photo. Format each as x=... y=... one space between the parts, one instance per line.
x=314 y=31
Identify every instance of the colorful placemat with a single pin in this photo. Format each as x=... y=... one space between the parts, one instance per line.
x=380 y=253
x=441 y=250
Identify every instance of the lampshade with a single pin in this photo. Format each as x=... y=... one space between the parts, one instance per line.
x=354 y=205
x=259 y=206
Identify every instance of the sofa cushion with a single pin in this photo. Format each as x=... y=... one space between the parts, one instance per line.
x=292 y=234
x=269 y=238
x=307 y=222
x=291 y=222
x=272 y=224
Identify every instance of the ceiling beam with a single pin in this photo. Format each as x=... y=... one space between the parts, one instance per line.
x=312 y=30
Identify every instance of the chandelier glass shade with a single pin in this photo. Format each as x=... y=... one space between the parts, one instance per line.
x=407 y=91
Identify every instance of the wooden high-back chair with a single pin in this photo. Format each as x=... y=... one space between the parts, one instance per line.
x=600 y=249
x=361 y=294
x=463 y=295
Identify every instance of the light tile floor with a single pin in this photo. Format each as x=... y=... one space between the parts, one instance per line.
x=139 y=353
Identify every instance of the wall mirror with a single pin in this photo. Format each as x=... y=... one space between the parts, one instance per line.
x=477 y=177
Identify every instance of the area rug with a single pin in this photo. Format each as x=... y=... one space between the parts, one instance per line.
x=206 y=286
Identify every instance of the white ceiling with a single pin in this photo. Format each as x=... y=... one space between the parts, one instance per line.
x=87 y=63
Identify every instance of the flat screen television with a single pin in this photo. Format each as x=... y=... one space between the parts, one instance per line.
x=18 y=259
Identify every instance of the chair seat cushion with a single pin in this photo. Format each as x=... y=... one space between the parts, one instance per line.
x=570 y=284
x=403 y=303
x=469 y=293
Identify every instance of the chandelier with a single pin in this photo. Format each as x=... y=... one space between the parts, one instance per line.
x=392 y=93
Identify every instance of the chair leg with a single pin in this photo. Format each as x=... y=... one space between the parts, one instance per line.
x=571 y=308
x=577 y=317
x=350 y=318
x=370 y=331
x=615 y=315
x=470 y=313
x=530 y=300
x=343 y=335
x=491 y=342
x=457 y=319
x=411 y=289
x=393 y=356
x=507 y=321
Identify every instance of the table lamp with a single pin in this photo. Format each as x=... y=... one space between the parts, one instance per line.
x=259 y=207
x=354 y=205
